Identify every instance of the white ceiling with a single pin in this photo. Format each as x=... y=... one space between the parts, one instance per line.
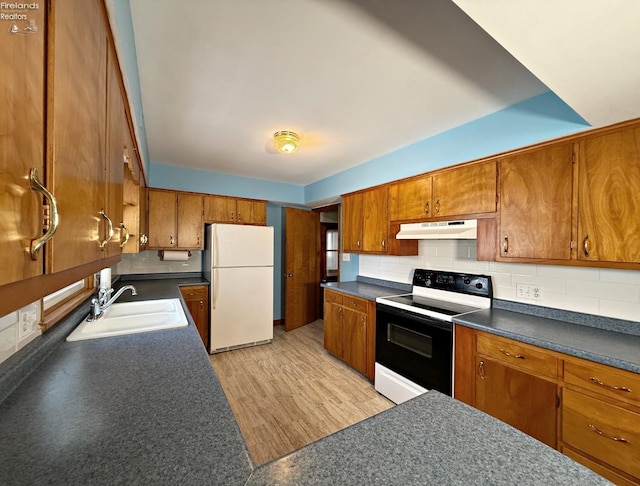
x=356 y=78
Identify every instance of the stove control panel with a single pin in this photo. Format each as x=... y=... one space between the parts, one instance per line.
x=464 y=283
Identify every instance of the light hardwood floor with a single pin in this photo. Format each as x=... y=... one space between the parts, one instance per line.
x=291 y=392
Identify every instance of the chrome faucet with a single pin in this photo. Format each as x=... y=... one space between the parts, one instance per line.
x=102 y=302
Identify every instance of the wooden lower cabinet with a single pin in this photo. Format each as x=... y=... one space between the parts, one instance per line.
x=587 y=410
x=349 y=330
x=197 y=299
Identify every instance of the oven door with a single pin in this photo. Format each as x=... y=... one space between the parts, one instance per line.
x=416 y=347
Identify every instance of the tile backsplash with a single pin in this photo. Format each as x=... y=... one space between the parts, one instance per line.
x=601 y=291
x=150 y=262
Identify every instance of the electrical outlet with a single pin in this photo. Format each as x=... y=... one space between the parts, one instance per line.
x=346 y=257
x=529 y=291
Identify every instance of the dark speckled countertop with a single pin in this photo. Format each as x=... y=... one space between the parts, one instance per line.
x=148 y=409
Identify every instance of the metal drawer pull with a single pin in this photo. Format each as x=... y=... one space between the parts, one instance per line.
x=51 y=213
x=585 y=245
x=481 y=369
x=595 y=380
x=102 y=244
x=612 y=437
x=505 y=244
x=426 y=207
x=507 y=353
x=126 y=235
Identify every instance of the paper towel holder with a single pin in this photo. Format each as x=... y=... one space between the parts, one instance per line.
x=161 y=253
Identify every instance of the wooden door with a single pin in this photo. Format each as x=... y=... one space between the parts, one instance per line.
x=76 y=96
x=352 y=223
x=535 y=204
x=354 y=325
x=520 y=399
x=116 y=126
x=22 y=99
x=333 y=328
x=410 y=200
x=162 y=219
x=609 y=197
x=219 y=209
x=190 y=224
x=375 y=220
x=302 y=267
x=477 y=196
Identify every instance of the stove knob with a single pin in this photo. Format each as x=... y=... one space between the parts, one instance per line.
x=467 y=281
x=478 y=285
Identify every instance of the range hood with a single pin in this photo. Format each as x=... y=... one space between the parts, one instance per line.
x=439 y=230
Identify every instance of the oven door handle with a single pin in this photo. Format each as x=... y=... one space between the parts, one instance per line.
x=446 y=325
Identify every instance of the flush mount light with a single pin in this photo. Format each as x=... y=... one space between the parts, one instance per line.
x=286 y=141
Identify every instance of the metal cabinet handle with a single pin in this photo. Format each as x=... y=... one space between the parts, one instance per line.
x=481 y=369
x=198 y=240
x=52 y=218
x=144 y=239
x=585 y=245
x=358 y=243
x=595 y=380
x=126 y=235
x=102 y=244
x=202 y=305
x=384 y=243
x=170 y=240
x=232 y=216
x=239 y=217
x=437 y=206
x=426 y=207
x=507 y=353
x=505 y=244
x=607 y=436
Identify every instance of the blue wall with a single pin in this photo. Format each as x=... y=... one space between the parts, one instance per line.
x=124 y=21
x=274 y=218
x=542 y=117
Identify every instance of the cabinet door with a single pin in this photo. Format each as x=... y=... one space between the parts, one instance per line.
x=375 y=221
x=520 y=399
x=162 y=219
x=609 y=197
x=410 y=200
x=251 y=212
x=466 y=190
x=354 y=328
x=352 y=223
x=21 y=148
x=333 y=328
x=190 y=225
x=131 y=212
x=116 y=125
x=76 y=130
x=535 y=204
x=197 y=300
x=219 y=209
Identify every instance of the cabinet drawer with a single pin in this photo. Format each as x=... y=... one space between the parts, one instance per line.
x=359 y=305
x=609 y=474
x=518 y=354
x=602 y=430
x=612 y=382
x=330 y=296
x=195 y=292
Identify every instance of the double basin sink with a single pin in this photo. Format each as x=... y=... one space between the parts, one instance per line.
x=132 y=318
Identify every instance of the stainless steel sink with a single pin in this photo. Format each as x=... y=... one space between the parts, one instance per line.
x=132 y=318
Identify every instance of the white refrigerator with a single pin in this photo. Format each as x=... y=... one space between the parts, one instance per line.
x=238 y=262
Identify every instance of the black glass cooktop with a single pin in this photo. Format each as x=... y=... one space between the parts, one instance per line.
x=433 y=305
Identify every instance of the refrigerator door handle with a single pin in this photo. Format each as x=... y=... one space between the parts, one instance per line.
x=214 y=294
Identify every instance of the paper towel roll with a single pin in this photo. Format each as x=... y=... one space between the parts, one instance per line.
x=105 y=278
x=175 y=256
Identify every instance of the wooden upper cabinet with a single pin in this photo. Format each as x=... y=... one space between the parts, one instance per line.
x=250 y=211
x=227 y=209
x=609 y=197
x=470 y=189
x=116 y=126
x=76 y=130
x=175 y=220
x=411 y=199
x=535 y=204
x=22 y=98
x=190 y=227
x=352 y=222
x=162 y=219
x=375 y=221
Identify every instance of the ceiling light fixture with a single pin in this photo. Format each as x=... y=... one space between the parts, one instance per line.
x=285 y=141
